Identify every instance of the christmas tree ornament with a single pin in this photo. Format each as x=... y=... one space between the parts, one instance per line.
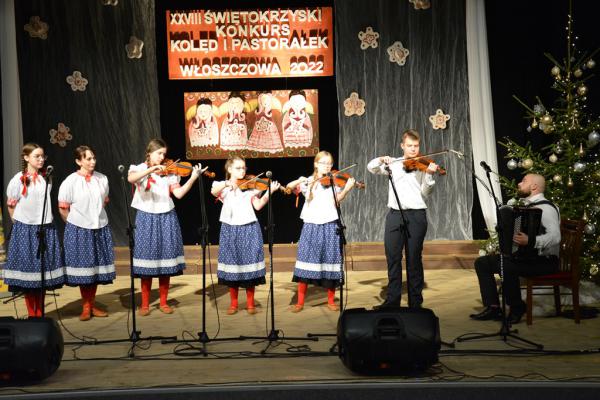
x=593 y=269
x=546 y=119
x=570 y=183
x=539 y=109
x=558 y=149
x=581 y=151
x=534 y=123
x=528 y=129
x=582 y=90
x=548 y=129
x=585 y=217
x=511 y=164
x=527 y=163
x=589 y=229
x=553 y=158
x=594 y=137
x=557 y=178
x=579 y=166
x=590 y=63
x=597 y=176
x=519 y=164
x=555 y=71
x=578 y=73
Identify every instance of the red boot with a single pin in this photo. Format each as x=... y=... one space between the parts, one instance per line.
x=30 y=302
x=331 y=300
x=302 y=288
x=39 y=300
x=146 y=288
x=96 y=312
x=163 y=283
x=233 y=295
x=250 y=300
x=86 y=313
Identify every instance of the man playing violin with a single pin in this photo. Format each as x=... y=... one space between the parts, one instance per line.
x=413 y=187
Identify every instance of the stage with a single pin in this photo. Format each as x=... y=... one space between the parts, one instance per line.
x=300 y=367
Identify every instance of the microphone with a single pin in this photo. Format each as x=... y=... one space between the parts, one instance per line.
x=485 y=167
x=121 y=168
x=49 y=170
x=268 y=174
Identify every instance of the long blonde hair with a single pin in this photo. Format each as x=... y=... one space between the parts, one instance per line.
x=318 y=157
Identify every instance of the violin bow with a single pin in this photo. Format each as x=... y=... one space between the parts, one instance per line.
x=250 y=180
x=458 y=153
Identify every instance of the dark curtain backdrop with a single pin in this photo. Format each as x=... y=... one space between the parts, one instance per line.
x=402 y=97
x=117 y=113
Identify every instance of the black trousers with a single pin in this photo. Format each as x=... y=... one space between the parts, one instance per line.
x=487 y=266
x=395 y=242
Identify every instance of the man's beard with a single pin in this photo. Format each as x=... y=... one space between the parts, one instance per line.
x=522 y=194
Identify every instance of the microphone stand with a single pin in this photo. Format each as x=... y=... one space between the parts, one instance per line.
x=203 y=231
x=505 y=332
x=41 y=252
x=273 y=335
x=135 y=334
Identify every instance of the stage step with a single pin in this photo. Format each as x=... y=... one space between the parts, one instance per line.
x=360 y=256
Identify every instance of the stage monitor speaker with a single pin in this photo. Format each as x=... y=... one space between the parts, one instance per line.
x=388 y=340
x=30 y=349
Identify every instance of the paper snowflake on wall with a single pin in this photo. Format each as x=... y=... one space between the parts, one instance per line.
x=60 y=136
x=368 y=38
x=353 y=105
x=420 y=4
x=37 y=28
x=134 y=47
x=77 y=81
x=438 y=120
x=398 y=53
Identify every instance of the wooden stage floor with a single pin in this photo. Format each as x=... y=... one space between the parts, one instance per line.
x=451 y=293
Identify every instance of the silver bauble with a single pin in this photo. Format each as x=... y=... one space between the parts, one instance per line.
x=511 y=164
x=594 y=137
x=589 y=229
x=553 y=158
x=579 y=166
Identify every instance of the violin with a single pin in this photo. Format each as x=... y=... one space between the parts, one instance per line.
x=339 y=180
x=182 y=168
x=250 y=182
x=420 y=163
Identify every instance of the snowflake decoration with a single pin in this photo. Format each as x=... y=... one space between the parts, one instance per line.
x=77 y=81
x=420 y=4
x=109 y=2
x=438 y=121
x=61 y=135
x=134 y=47
x=368 y=38
x=398 y=53
x=354 y=105
x=37 y=28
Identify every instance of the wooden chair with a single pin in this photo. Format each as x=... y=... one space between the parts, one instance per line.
x=571 y=232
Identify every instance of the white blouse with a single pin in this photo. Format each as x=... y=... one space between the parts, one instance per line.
x=29 y=201
x=153 y=192
x=85 y=198
x=237 y=205
x=321 y=208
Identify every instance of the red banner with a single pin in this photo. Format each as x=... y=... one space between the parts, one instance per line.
x=257 y=43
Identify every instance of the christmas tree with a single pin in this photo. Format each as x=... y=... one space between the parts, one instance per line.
x=570 y=163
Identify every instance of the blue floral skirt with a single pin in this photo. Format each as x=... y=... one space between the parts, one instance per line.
x=241 y=255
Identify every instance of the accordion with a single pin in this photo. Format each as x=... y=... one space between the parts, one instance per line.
x=512 y=220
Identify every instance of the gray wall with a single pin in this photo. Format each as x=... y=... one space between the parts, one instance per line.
x=401 y=97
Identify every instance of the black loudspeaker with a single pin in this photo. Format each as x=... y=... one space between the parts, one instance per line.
x=30 y=349
x=388 y=340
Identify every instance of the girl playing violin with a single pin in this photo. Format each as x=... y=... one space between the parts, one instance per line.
x=158 y=247
x=241 y=255
x=319 y=259
x=25 y=199
x=89 y=256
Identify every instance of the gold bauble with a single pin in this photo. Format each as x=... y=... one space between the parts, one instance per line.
x=534 y=123
x=527 y=163
x=578 y=73
x=548 y=129
x=557 y=178
x=581 y=151
x=590 y=63
x=553 y=158
x=555 y=70
x=582 y=90
x=570 y=183
x=546 y=119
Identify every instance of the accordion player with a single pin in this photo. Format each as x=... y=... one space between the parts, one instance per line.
x=512 y=220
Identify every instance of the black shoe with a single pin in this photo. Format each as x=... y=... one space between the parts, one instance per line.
x=516 y=314
x=385 y=305
x=489 y=313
